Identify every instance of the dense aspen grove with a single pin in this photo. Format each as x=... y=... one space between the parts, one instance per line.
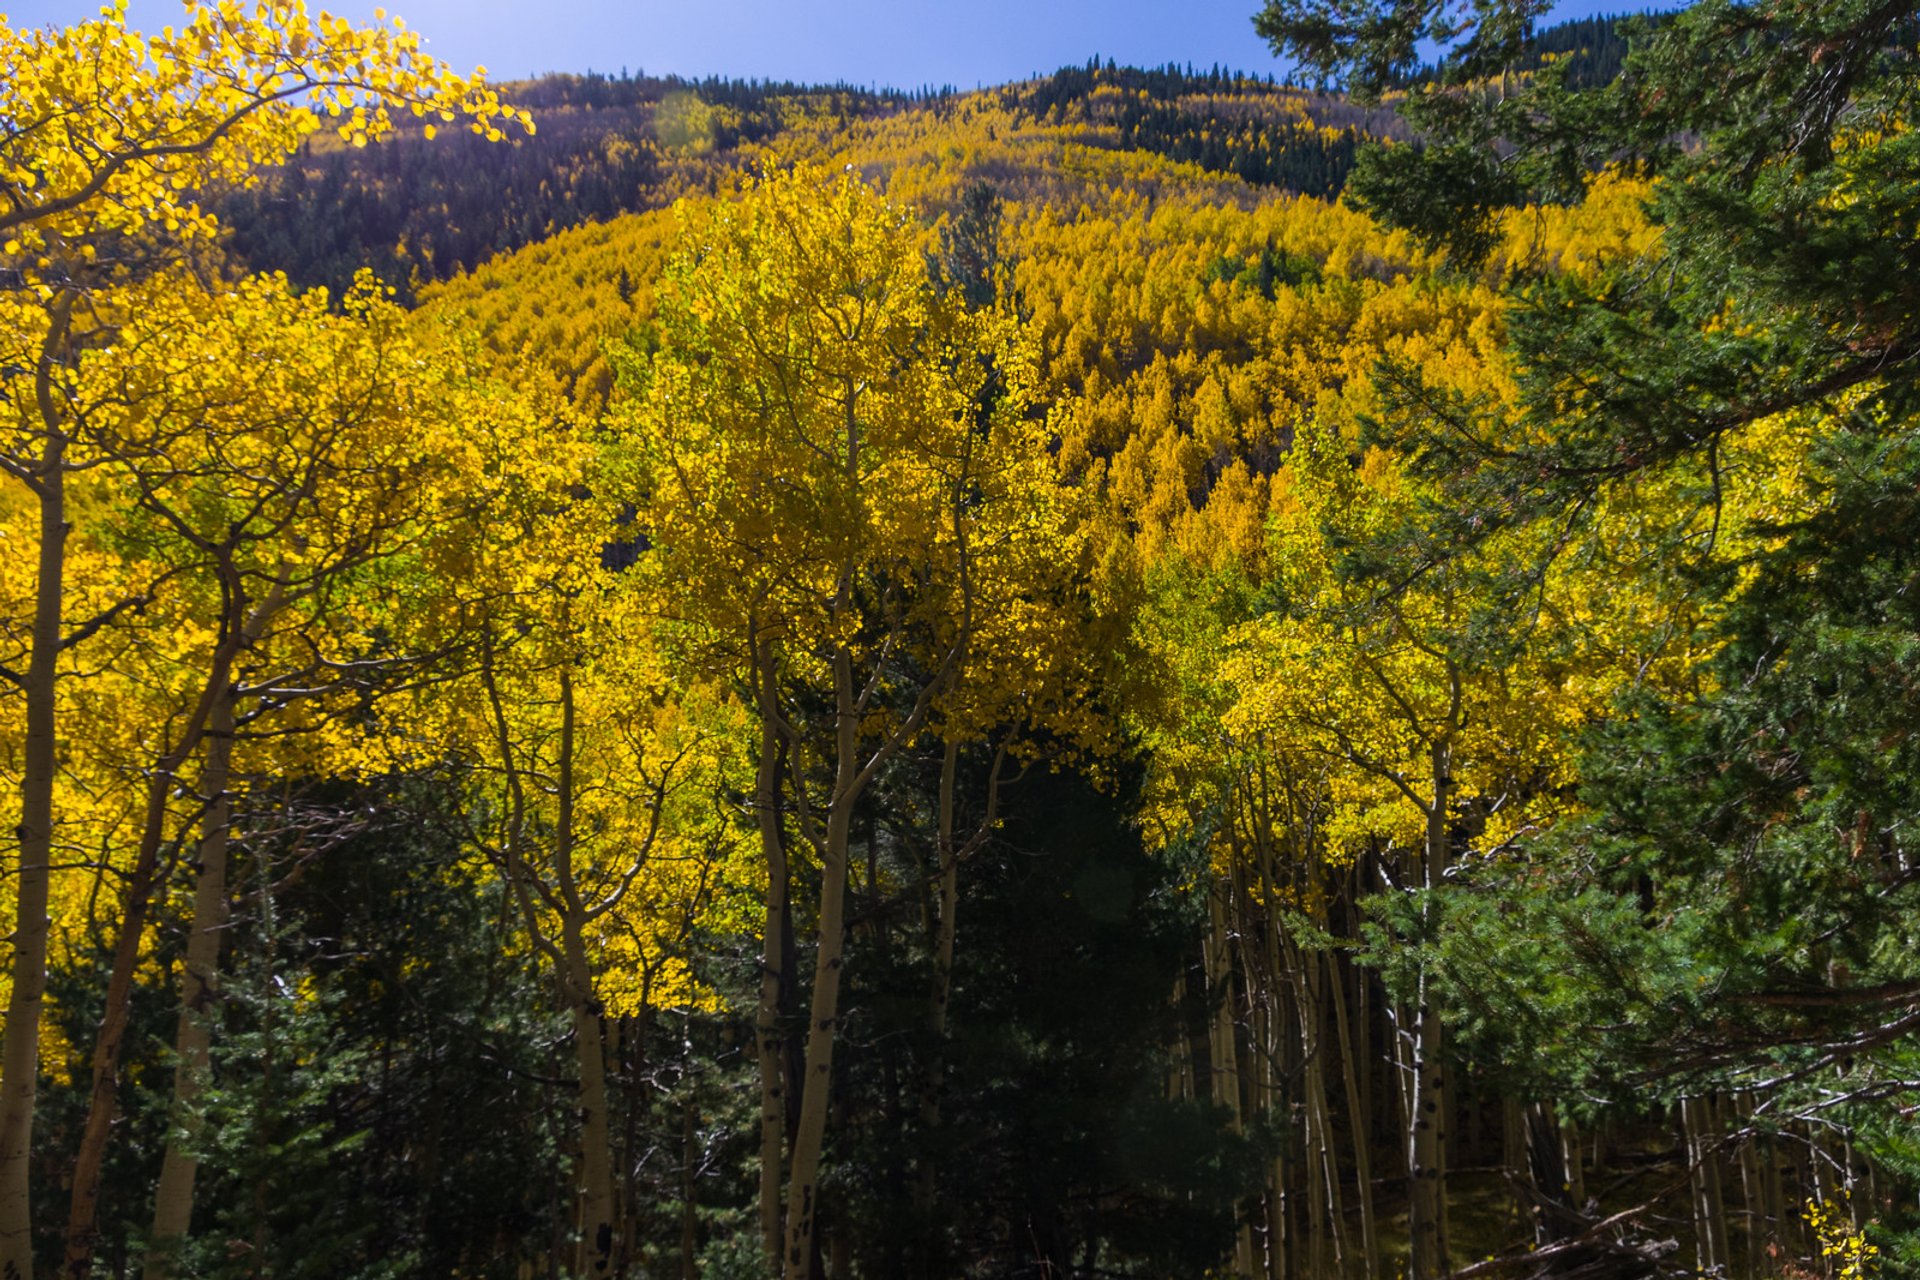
x=1151 y=673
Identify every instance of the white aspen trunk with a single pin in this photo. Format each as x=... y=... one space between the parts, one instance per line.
x=1773 y=1193
x=1547 y=1173
x=241 y=630
x=1267 y=1101
x=947 y=927
x=1426 y=1139
x=1282 y=1259
x=1425 y=1150
x=628 y=1051
x=803 y=1183
x=1752 y=1186
x=199 y=988
x=136 y=901
x=941 y=987
x=597 y=1239
x=1570 y=1157
x=1709 y=1209
x=90 y=1160
x=689 y=1207
x=1180 y=1074
x=769 y=1023
x=1317 y=1093
x=1365 y=1053
x=597 y=1244
x=20 y=1057
x=1326 y=1228
x=1250 y=935
x=1513 y=1158
x=803 y=1178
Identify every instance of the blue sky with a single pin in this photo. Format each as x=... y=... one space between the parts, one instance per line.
x=905 y=43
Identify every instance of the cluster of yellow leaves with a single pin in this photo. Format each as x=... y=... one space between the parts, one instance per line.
x=111 y=135
x=598 y=772
x=1356 y=684
x=814 y=408
x=1844 y=1248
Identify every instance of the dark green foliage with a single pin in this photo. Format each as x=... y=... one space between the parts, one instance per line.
x=1740 y=913
x=379 y=1021
x=1229 y=122
x=969 y=257
x=76 y=993
x=1372 y=45
x=386 y=1098
x=1593 y=49
x=1272 y=269
x=1592 y=53
x=1057 y=1150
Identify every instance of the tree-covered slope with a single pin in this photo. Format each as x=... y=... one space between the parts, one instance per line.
x=419 y=210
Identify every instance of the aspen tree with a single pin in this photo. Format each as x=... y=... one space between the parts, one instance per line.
x=608 y=773
x=1429 y=740
x=288 y=467
x=821 y=471
x=109 y=138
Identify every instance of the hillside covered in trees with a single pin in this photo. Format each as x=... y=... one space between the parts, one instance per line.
x=419 y=210
x=1150 y=673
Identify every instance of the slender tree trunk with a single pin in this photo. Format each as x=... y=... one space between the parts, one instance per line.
x=1548 y=1178
x=1426 y=1168
x=1357 y=1106
x=850 y=777
x=947 y=926
x=1426 y=1145
x=20 y=1054
x=1322 y=1159
x=199 y=988
x=940 y=989
x=20 y=1059
x=629 y=1050
x=1366 y=1026
x=1513 y=1161
x=1180 y=1071
x=770 y=1030
x=1282 y=1254
x=1314 y=1157
x=596 y=1248
x=1223 y=1042
x=135 y=904
x=1571 y=1157
x=689 y=1188
x=1709 y=1205
x=597 y=1243
x=823 y=1020
x=241 y=628
x=1772 y=1195
x=803 y=1184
